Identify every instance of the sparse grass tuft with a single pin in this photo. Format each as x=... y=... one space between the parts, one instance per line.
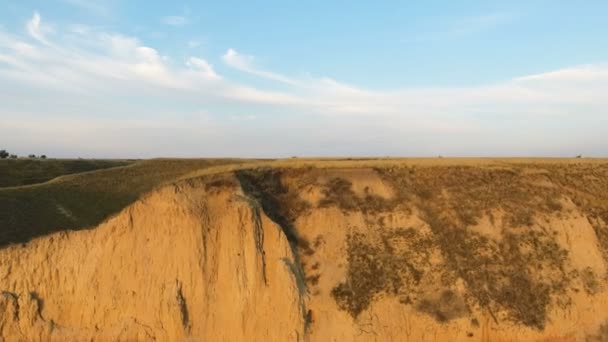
x=601 y=231
x=367 y=276
x=590 y=283
x=338 y=192
x=445 y=307
x=506 y=275
x=554 y=204
x=219 y=183
x=379 y=267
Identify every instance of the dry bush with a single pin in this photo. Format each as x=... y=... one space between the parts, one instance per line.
x=376 y=267
x=590 y=283
x=445 y=307
x=338 y=192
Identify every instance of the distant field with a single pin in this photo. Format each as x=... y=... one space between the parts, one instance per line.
x=17 y=172
x=83 y=200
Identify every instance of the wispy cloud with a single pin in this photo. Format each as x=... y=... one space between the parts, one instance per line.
x=125 y=59
x=460 y=28
x=35 y=29
x=93 y=6
x=246 y=63
x=533 y=94
x=194 y=44
x=480 y=23
x=95 y=74
x=203 y=67
x=175 y=20
x=580 y=73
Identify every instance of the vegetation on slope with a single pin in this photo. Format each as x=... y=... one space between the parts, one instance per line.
x=18 y=172
x=517 y=277
x=522 y=274
x=84 y=200
x=280 y=203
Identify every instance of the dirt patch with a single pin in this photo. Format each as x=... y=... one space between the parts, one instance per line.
x=601 y=335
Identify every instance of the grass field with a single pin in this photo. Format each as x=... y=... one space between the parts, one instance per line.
x=17 y=172
x=84 y=200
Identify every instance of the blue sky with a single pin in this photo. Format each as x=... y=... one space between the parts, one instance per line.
x=117 y=78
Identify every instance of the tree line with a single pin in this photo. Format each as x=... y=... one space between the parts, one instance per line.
x=5 y=154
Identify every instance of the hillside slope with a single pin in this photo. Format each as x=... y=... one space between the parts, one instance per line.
x=19 y=172
x=84 y=200
x=493 y=252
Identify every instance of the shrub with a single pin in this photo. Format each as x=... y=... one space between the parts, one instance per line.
x=445 y=307
x=338 y=191
x=3 y=154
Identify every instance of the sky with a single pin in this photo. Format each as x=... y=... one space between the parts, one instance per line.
x=142 y=79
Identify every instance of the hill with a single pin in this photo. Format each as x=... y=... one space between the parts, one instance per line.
x=314 y=250
x=18 y=172
x=84 y=200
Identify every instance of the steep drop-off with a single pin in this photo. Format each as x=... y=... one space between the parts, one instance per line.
x=421 y=253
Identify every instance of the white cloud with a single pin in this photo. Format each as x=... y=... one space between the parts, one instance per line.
x=120 y=46
x=34 y=28
x=245 y=63
x=105 y=74
x=175 y=20
x=12 y=61
x=572 y=74
x=127 y=59
x=94 y=60
x=238 y=61
x=203 y=67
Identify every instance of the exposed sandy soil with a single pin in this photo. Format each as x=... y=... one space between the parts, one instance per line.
x=406 y=251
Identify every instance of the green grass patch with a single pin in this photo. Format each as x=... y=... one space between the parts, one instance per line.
x=18 y=172
x=84 y=200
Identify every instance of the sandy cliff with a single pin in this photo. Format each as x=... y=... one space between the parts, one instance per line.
x=179 y=264
x=403 y=254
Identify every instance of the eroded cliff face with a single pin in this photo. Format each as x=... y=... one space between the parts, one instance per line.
x=182 y=263
x=418 y=254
